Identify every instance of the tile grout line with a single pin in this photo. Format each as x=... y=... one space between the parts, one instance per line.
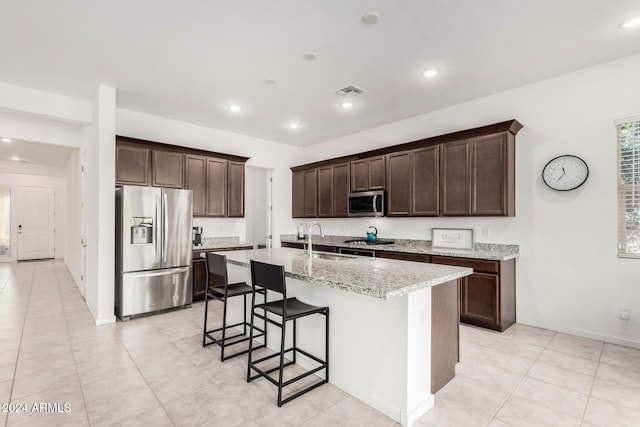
x=520 y=382
x=24 y=321
x=584 y=411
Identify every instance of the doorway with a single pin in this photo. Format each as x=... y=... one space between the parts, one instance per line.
x=36 y=223
x=258 y=206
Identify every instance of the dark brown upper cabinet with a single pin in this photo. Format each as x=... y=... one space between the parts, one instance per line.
x=399 y=184
x=368 y=174
x=216 y=187
x=325 y=191
x=413 y=182
x=132 y=165
x=311 y=193
x=341 y=189
x=304 y=201
x=166 y=169
x=493 y=175
x=195 y=179
x=297 y=194
x=235 y=190
x=464 y=173
x=216 y=179
x=455 y=189
x=425 y=181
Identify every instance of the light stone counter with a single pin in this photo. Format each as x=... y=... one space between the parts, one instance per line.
x=376 y=277
x=488 y=251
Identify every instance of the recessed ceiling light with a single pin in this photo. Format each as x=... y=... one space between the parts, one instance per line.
x=6 y=139
x=15 y=159
x=269 y=81
x=347 y=104
x=235 y=108
x=631 y=23
x=294 y=125
x=370 y=18
x=431 y=72
x=310 y=56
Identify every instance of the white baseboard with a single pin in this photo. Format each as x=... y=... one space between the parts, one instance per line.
x=584 y=334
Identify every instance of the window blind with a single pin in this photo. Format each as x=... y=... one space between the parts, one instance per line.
x=629 y=188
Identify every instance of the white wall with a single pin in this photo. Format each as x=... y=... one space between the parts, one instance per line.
x=13 y=180
x=568 y=275
x=262 y=153
x=73 y=254
x=256 y=196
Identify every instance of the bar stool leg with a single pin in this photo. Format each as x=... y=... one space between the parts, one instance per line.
x=282 y=346
x=206 y=312
x=294 y=340
x=326 y=343
x=224 y=326
x=253 y=303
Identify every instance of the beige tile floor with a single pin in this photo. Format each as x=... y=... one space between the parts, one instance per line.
x=153 y=371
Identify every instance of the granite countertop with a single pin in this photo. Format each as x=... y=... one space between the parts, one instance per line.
x=376 y=277
x=209 y=243
x=487 y=251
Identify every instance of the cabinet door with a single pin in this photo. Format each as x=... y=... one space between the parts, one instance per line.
x=199 y=279
x=425 y=181
x=297 y=195
x=341 y=189
x=235 y=190
x=311 y=193
x=489 y=175
x=325 y=191
x=216 y=187
x=455 y=190
x=132 y=165
x=196 y=181
x=359 y=175
x=479 y=300
x=399 y=184
x=377 y=173
x=167 y=169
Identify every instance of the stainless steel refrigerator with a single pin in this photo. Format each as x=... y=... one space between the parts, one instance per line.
x=153 y=249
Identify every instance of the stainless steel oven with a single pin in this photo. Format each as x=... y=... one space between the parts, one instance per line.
x=366 y=203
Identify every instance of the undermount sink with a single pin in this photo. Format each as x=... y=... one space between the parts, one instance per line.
x=333 y=257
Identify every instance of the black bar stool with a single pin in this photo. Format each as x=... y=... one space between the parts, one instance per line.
x=271 y=277
x=217 y=266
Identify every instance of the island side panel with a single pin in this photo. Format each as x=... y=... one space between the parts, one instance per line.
x=379 y=349
x=445 y=329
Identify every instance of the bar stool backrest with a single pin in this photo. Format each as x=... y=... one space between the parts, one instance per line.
x=268 y=276
x=217 y=265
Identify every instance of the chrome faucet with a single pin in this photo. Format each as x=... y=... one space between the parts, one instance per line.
x=309 y=234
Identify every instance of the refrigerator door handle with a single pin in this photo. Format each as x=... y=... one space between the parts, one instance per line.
x=155 y=273
x=157 y=226
x=165 y=229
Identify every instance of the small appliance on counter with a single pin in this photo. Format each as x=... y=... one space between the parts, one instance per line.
x=372 y=236
x=197 y=236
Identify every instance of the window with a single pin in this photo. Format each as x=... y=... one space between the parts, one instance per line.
x=629 y=188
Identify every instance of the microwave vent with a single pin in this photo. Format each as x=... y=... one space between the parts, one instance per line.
x=350 y=91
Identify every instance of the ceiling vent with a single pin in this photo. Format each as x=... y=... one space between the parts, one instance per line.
x=350 y=91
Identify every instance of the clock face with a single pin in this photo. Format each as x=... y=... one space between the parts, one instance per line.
x=565 y=173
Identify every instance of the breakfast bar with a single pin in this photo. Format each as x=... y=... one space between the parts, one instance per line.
x=394 y=324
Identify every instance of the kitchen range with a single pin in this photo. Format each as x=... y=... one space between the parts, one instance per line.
x=153 y=249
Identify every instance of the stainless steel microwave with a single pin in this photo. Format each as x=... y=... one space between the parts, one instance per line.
x=367 y=203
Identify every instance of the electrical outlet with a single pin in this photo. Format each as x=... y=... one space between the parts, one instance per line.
x=485 y=232
x=624 y=313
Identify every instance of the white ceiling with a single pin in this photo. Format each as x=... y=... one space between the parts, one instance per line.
x=189 y=59
x=34 y=152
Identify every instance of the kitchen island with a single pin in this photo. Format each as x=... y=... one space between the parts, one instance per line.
x=394 y=324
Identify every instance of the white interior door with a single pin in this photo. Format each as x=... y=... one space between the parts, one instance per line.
x=36 y=222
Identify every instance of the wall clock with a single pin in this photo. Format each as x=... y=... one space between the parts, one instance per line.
x=565 y=172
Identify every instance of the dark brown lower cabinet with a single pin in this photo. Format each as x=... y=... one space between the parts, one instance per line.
x=487 y=297
x=445 y=333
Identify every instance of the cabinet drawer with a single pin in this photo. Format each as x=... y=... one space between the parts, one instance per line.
x=403 y=256
x=477 y=264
